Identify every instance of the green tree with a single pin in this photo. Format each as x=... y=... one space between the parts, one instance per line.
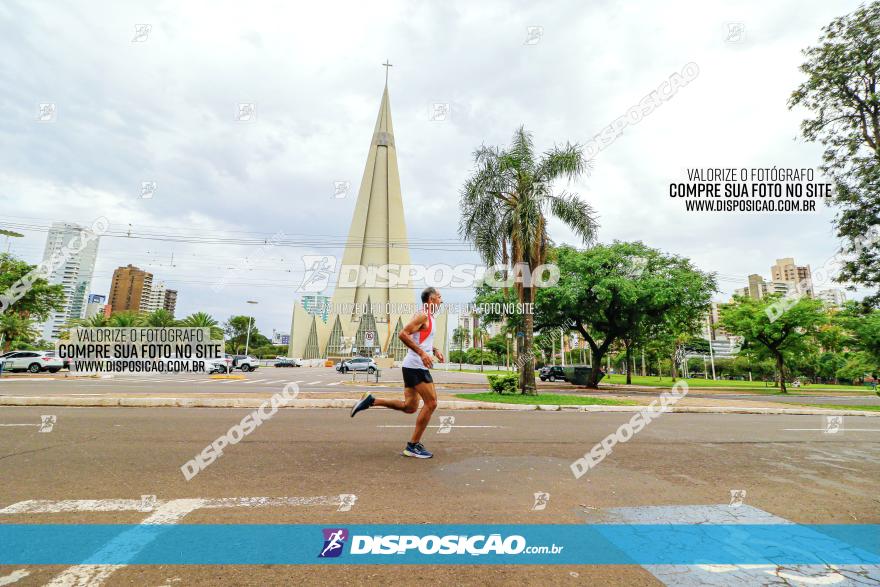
x=856 y=366
x=626 y=292
x=504 y=207
x=203 y=320
x=841 y=92
x=96 y=321
x=18 y=318
x=160 y=318
x=791 y=333
x=236 y=329
x=127 y=319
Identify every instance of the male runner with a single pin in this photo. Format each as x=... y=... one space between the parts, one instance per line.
x=418 y=335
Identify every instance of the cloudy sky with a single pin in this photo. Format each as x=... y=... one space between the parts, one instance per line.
x=161 y=106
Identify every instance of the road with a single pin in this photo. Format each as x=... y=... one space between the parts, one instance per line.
x=487 y=468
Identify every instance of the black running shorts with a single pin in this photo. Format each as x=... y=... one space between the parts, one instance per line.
x=412 y=377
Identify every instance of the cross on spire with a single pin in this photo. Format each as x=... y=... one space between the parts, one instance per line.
x=386 y=65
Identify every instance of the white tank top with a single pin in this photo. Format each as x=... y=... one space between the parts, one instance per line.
x=425 y=341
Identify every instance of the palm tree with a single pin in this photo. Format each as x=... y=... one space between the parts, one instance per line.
x=96 y=321
x=504 y=206
x=203 y=320
x=126 y=320
x=16 y=330
x=160 y=318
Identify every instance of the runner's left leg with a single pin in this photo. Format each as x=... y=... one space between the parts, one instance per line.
x=429 y=396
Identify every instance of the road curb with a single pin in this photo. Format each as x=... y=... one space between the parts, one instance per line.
x=241 y=402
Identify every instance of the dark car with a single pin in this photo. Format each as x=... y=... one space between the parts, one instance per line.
x=286 y=362
x=551 y=373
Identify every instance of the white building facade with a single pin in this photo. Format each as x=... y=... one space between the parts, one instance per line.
x=73 y=271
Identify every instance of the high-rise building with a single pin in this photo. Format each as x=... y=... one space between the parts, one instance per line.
x=800 y=278
x=155 y=298
x=170 y=302
x=130 y=289
x=72 y=268
x=832 y=298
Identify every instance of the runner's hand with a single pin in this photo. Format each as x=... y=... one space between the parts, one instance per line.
x=426 y=360
x=439 y=356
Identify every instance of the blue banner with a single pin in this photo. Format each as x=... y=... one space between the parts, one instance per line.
x=528 y=544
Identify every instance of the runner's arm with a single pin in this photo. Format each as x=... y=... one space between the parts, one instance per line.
x=405 y=337
x=438 y=354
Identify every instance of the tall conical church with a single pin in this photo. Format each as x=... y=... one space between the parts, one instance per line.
x=377 y=237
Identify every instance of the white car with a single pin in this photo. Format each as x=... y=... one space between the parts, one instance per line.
x=245 y=363
x=31 y=361
x=220 y=365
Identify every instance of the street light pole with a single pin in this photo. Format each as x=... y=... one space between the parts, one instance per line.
x=248 y=337
x=711 y=351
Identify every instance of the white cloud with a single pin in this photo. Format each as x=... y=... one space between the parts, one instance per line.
x=163 y=110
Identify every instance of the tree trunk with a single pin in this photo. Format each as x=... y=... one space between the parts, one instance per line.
x=527 y=360
x=629 y=362
x=781 y=368
x=674 y=366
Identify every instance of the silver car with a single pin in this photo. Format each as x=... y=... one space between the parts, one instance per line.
x=358 y=364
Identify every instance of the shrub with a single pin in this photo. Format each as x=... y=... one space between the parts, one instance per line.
x=504 y=383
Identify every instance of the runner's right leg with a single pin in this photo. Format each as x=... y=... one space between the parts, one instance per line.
x=409 y=404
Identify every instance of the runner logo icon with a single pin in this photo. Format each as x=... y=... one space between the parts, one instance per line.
x=334 y=540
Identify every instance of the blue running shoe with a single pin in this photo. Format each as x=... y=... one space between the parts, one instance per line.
x=416 y=450
x=364 y=403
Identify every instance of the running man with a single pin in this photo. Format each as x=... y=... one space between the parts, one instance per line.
x=418 y=336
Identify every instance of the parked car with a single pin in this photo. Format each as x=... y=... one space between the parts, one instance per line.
x=66 y=362
x=31 y=361
x=244 y=362
x=287 y=362
x=551 y=373
x=357 y=364
x=219 y=365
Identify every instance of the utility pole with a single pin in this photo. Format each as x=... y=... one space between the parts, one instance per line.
x=711 y=352
x=250 y=323
x=562 y=345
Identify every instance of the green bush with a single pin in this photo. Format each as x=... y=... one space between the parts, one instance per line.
x=504 y=383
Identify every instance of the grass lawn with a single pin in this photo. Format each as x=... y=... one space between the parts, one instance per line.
x=874 y=408
x=754 y=386
x=545 y=398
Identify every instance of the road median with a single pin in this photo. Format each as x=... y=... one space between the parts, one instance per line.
x=347 y=403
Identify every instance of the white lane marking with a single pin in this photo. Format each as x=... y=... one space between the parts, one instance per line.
x=13 y=380
x=19 y=424
x=823 y=430
x=50 y=506
x=335 y=383
x=277 y=381
x=314 y=382
x=13 y=577
x=125 y=545
x=256 y=380
x=128 y=544
x=435 y=426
